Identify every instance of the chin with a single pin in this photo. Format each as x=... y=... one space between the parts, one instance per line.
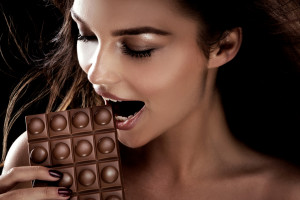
x=127 y=139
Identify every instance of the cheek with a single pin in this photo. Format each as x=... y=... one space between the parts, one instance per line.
x=176 y=71
x=86 y=53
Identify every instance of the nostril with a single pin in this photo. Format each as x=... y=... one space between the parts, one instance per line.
x=92 y=75
x=102 y=88
x=101 y=75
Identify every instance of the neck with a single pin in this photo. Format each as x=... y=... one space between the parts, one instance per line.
x=200 y=147
x=195 y=143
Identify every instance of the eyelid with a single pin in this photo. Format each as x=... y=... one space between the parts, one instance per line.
x=136 y=53
x=139 y=54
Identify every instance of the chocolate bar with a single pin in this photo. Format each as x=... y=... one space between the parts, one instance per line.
x=82 y=144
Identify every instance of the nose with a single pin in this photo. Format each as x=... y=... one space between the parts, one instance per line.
x=104 y=69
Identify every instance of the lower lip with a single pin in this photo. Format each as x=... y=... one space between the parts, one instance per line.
x=129 y=123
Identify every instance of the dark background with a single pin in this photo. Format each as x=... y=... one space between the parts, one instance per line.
x=34 y=23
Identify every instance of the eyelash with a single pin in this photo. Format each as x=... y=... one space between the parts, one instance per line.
x=125 y=49
x=86 y=38
x=136 y=54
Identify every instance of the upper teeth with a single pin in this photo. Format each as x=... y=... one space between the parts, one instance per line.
x=108 y=99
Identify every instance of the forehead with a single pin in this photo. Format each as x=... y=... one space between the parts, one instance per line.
x=122 y=6
x=128 y=12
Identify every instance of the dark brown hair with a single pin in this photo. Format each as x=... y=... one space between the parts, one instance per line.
x=264 y=22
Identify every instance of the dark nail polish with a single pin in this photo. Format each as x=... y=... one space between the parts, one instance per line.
x=55 y=173
x=64 y=192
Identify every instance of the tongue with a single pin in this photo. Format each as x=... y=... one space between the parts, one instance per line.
x=126 y=108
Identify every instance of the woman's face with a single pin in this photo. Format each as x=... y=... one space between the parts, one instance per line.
x=145 y=54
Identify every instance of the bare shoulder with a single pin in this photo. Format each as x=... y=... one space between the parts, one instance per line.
x=17 y=154
x=285 y=181
x=292 y=180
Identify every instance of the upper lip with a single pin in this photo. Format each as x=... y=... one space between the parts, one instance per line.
x=110 y=96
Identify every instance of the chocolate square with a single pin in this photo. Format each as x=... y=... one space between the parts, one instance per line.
x=61 y=151
x=109 y=174
x=106 y=146
x=39 y=154
x=84 y=148
x=36 y=127
x=69 y=179
x=80 y=120
x=87 y=177
x=59 y=124
x=102 y=118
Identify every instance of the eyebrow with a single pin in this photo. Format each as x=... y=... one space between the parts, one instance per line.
x=129 y=31
x=139 y=30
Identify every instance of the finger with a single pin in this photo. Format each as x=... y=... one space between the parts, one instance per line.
x=38 y=193
x=27 y=173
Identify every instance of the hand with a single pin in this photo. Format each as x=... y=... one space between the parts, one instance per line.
x=28 y=173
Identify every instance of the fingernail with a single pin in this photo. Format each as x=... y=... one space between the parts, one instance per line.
x=55 y=173
x=64 y=192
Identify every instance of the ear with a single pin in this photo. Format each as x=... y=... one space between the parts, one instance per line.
x=226 y=49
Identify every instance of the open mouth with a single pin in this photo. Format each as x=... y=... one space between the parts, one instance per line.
x=124 y=110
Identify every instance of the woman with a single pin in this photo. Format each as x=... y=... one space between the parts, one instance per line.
x=161 y=61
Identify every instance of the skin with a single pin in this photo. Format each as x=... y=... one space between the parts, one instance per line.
x=183 y=148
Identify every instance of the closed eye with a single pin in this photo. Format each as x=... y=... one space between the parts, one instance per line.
x=124 y=47
x=134 y=53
